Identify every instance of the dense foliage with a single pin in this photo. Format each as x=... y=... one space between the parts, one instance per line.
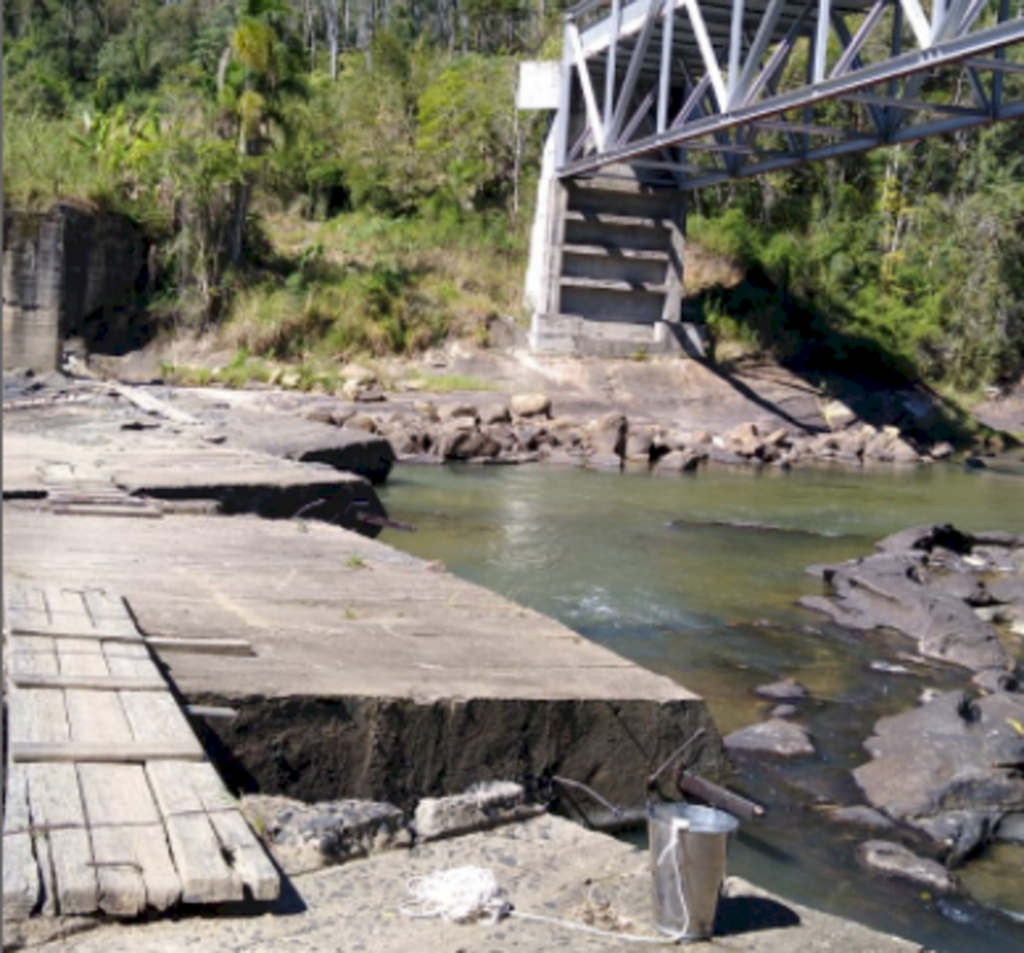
x=343 y=175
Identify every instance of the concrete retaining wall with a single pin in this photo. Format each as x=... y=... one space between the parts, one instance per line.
x=69 y=272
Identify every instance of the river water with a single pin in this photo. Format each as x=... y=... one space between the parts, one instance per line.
x=657 y=569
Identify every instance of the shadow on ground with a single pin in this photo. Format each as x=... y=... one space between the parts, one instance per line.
x=832 y=359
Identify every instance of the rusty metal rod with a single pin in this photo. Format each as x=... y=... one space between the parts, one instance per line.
x=719 y=797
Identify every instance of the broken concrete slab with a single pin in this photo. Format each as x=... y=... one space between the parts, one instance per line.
x=153 y=464
x=546 y=866
x=375 y=674
x=306 y=837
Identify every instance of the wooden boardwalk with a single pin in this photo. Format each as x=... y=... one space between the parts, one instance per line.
x=110 y=805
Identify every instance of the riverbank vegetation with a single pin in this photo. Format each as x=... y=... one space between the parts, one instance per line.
x=323 y=178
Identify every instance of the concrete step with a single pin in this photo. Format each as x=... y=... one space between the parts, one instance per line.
x=612 y=252
x=614 y=285
x=634 y=266
x=582 y=230
x=599 y=305
x=615 y=218
x=649 y=204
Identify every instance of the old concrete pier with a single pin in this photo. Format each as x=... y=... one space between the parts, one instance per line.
x=370 y=673
x=355 y=671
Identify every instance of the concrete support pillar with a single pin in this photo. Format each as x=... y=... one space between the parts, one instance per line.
x=33 y=290
x=674 y=271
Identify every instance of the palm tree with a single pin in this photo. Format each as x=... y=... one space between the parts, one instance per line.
x=257 y=71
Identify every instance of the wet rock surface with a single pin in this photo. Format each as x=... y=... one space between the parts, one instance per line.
x=947 y=775
x=950 y=768
x=895 y=860
x=777 y=737
x=929 y=583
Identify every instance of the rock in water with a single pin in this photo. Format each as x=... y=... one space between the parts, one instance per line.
x=895 y=860
x=950 y=768
x=776 y=737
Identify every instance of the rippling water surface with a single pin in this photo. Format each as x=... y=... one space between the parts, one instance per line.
x=697 y=577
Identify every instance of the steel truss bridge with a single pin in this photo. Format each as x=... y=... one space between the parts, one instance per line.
x=697 y=91
x=657 y=97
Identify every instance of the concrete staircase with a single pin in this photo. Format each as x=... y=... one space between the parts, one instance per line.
x=614 y=269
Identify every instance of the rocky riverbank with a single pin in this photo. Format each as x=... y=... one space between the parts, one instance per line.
x=944 y=779
x=465 y=404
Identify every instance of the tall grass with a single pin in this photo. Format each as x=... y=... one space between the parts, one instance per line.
x=361 y=284
x=42 y=163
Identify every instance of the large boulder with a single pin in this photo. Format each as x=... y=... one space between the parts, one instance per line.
x=606 y=436
x=531 y=405
x=777 y=737
x=951 y=767
x=923 y=582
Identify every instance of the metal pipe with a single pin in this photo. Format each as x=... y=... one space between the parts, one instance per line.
x=719 y=797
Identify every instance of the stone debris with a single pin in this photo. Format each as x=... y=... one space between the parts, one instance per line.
x=785 y=689
x=485 y=805
x=306 y=837
x=776 y=736
x=895 y=860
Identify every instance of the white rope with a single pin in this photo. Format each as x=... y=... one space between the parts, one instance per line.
x=678 y=824
x=465 y=894
x=460 y=895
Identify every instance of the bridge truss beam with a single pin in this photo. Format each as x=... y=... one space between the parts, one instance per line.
x=693 y=92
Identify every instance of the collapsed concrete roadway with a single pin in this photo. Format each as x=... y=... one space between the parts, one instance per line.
x=369 y=673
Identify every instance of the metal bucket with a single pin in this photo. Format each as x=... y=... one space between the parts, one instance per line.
x=688 y=847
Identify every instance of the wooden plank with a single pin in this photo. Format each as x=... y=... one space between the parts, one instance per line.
x=54 y=796
x=96 y=717
x=42 y=661
x=205 y=875
x=128 y=753
x=201 y=646
x=37 y=716
x=133 y=667
x=135 y=649
x=41 y=845
x=17 y=818
x=27 y=885
x=62 y=842
x=156 y=718
x=121 y=888
x=19 y=596
x=246 y=855
x=95 y=683
x=67 y=609
x=131 y=660
x=112 y=494
x=33 y=644
x=81 y=657
x=116 y=795
x=134 y=869
x=25 y=606
x=211 y=712
x=153 y=405
x=105 y=509
x=57 y=630
x=22 y=886
x=188 y=788
x=109 y=612
x=74 y=883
